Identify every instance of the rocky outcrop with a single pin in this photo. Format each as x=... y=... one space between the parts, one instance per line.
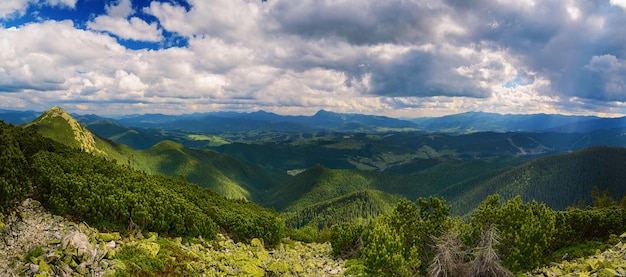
x=82 y=136
x=35 y=243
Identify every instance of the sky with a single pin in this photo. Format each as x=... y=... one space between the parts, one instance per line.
x=399 y=58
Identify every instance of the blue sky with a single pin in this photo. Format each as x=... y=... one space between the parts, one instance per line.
x=406 y=58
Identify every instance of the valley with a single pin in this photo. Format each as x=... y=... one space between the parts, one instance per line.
x=304 y=177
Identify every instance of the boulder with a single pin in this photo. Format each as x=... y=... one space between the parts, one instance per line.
x=78 y=241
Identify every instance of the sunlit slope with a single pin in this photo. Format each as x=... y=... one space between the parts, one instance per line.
x=60 y=126
x=226 y=175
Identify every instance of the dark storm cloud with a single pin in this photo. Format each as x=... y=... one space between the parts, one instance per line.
x=560 y=40
x=422 y=74
x=557 y=40
x=358 y=22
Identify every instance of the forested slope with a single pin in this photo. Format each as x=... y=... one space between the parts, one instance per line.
x=354 y=207
x=559 y=181
x=419 y=178
x=105 y=194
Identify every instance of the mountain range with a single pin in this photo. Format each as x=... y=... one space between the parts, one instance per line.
x=359 y=174
x=327 y=121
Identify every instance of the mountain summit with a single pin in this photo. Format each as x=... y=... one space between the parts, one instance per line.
x=59 y=125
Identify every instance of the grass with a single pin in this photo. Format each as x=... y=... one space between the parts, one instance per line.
x=34 y=252
x=213 y=141
x=169 y=261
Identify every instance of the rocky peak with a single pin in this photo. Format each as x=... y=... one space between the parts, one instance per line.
x=66 y=129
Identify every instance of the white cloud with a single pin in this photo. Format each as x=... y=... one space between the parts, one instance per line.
x=133 y=29
x=399 y=58
x=619 y=3
x=129 y=82
x=230 y=20
x=116 y=22
x=123 y=9
x=11 y=8
x=61 y=3
x=30 y=60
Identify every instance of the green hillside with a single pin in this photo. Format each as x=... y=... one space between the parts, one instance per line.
x=226 y=175
x=110 y=196
x=60 y=126
x=559 y=181
x=137 y=139
x=353 y=207
x=222 y=173
x=319 y=184
x=420 y=178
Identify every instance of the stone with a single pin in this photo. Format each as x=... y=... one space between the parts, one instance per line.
x=82 y=268
x=78 y=241
x=111 y=244
x=34 y=268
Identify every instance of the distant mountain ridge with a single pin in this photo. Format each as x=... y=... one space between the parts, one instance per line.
x=262 y=120
x=469 y=122
x=472 y=122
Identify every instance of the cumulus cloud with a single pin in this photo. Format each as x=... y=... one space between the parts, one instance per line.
x=123 y=9
x=13 y=8
x=17 y=8
x=131 y=29
x=361 y=22
x=31 y=60
x=619 y=3
x=399 y=58
x=66 y=3
x=605 y=78
x=226 y=19
x=117 y=23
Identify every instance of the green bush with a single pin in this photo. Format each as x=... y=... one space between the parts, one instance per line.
x=526 y=231
x=140 y=259
x=106 y=195
x=346 y=239
x=13 y=170
x=384 y=251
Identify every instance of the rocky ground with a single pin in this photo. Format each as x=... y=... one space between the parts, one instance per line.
x=34 y=242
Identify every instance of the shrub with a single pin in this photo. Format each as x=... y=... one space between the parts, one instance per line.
x=346 y=240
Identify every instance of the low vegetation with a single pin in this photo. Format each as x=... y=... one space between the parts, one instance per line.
x=420 y=238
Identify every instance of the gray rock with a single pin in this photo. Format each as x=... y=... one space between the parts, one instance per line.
x=111 y=244
x=34 y=268
x=78 y=241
